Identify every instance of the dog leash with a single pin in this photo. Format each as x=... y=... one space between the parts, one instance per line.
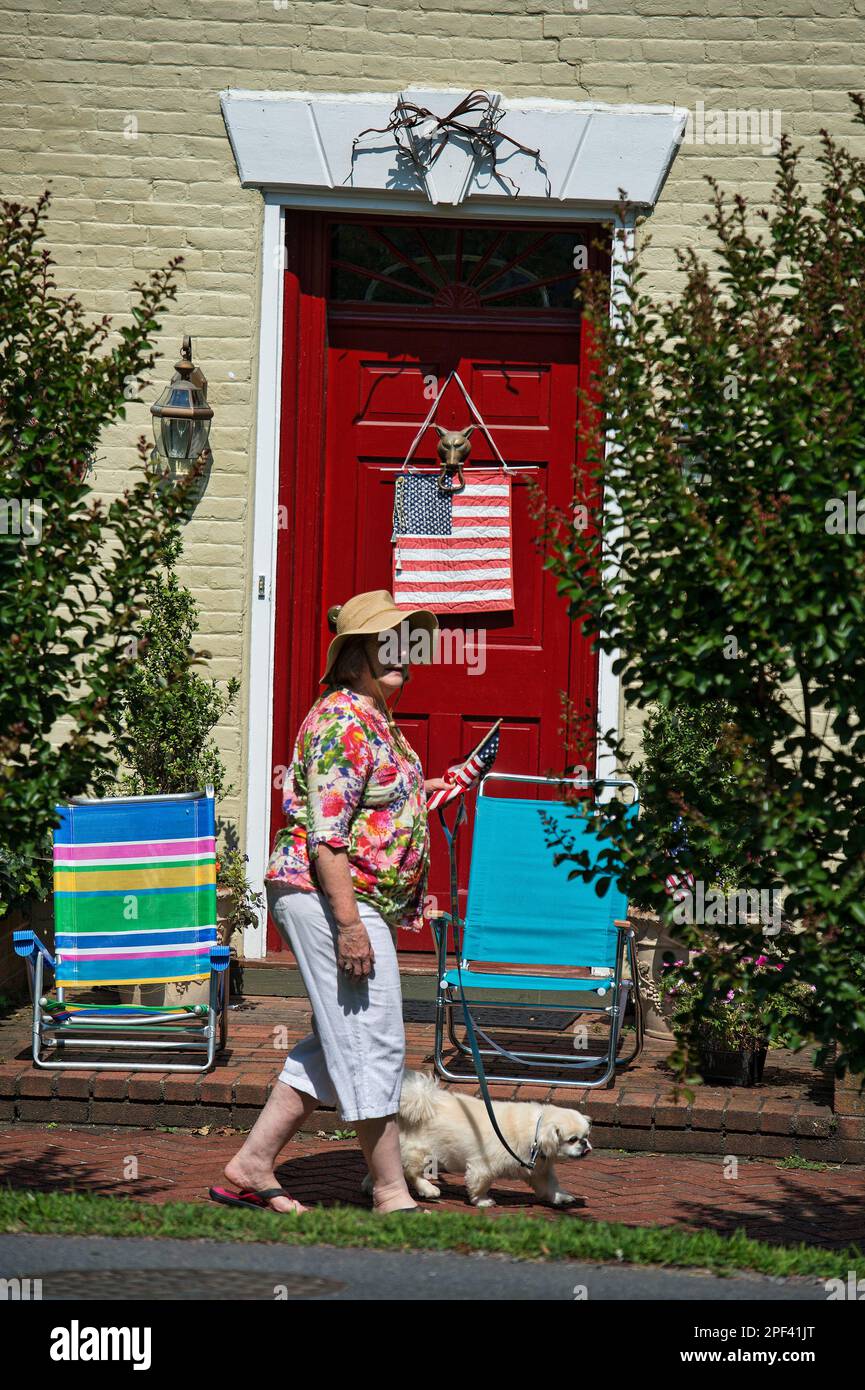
x=450 y=837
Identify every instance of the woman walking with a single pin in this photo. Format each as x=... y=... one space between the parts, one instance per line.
x=348 y=869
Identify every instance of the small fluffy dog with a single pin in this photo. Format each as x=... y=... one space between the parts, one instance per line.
x=441 y=1129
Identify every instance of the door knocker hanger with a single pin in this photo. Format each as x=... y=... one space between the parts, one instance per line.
x=454 y=446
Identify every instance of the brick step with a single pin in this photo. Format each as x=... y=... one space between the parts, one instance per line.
x=791 y=1113
x=719 y=1121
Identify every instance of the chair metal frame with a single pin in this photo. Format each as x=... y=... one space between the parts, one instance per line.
x=447 y=997
x=198 y=1036
x=198 y=1028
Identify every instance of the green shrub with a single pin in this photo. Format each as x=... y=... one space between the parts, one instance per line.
x=736 y=423
x=684 y=758
x=73 y=569
x=163 y=721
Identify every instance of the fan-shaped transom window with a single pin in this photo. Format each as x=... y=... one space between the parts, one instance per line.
x=461 y=269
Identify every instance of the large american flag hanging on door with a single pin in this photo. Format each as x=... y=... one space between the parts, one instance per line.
x=453 y=552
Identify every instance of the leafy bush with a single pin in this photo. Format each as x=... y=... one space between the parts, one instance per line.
x=683 y=757
x=736 y=422
x=24 y=879
x=164 y=717
x=73 y=569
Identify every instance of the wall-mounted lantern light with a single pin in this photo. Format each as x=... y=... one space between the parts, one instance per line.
x=181 y=416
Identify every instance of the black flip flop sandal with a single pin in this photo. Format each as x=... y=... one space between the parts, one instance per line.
x=251 y=1197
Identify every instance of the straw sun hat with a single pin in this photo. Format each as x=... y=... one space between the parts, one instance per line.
x=366 y=615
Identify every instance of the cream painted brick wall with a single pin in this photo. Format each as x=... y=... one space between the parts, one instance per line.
x=115 y=103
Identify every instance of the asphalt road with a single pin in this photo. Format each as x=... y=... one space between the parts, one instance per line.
x=77 y=1268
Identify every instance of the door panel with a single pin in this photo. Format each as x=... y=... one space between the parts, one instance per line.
x=519 y=395
x=525 y=386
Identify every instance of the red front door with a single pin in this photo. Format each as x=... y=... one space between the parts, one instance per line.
x=518 y=355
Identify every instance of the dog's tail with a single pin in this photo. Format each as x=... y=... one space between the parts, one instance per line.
x=417 y=1101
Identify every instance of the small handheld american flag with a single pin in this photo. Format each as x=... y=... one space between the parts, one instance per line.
x=466 y=774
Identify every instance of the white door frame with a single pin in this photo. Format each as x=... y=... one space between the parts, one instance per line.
x=262 y=597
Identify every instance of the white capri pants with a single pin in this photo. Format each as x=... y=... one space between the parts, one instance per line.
x=354 y=1057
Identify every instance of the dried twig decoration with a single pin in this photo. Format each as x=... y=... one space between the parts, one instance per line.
x=482 y=137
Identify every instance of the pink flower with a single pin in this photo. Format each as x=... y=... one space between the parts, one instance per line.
x=731 y=995
x=331 y=804
x=761 y=960
x=378 y=823
x=351 y=740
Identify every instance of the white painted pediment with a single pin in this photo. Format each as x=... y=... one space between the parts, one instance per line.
x=308 y=143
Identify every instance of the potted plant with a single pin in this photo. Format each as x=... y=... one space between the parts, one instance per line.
x=237 y=905
x=733 y=1033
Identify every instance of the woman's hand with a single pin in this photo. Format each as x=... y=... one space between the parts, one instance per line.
x=354 y=953
x=436 y=784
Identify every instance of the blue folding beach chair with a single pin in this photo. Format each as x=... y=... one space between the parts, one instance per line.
x=531 y=928
x=134 y=904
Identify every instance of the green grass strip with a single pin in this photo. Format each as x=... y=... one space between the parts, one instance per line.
x=519 y=1236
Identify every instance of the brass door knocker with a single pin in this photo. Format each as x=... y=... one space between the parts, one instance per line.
x=454 y=447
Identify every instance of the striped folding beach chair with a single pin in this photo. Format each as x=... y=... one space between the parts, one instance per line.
x=134 y=904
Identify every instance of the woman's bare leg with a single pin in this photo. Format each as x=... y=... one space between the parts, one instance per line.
x=253 y=1165
x=379 y=1141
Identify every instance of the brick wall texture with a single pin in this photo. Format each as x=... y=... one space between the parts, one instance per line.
x=114 y=103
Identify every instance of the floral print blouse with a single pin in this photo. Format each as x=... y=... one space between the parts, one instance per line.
x=355 y=784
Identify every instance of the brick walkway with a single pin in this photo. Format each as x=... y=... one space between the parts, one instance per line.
x=790 y=1113
x=783 y=1206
